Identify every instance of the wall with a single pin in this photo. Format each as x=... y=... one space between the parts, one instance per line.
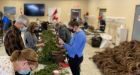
x=115 y=8
x=65 y=5
x=93 y=12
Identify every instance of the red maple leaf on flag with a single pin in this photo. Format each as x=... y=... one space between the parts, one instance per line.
x=55 y=15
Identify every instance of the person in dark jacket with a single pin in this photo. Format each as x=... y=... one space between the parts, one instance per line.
x=13 y=40
x=64 y=33
x=102 y=23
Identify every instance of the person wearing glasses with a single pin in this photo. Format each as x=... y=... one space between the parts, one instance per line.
x=13 y=40
x=21 y=62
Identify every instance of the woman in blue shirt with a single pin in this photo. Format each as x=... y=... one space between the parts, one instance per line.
x=75 y=47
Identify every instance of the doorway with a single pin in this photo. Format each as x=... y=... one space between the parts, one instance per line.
x=102 y=12
x=136 y=26
x=75 y=14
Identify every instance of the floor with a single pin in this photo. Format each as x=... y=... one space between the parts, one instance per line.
x=87 y=67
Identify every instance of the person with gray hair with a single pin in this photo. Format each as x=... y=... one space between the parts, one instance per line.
x=13 y=40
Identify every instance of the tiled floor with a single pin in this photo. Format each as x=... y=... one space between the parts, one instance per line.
x=87 y=67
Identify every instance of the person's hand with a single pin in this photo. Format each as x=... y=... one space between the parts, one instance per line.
x=60 y=41
x=40 y=40
x=59 y=45
x=41 y=45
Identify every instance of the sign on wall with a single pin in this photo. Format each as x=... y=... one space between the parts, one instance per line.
x=10 y=10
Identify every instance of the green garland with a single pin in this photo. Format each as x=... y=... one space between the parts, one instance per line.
x=50 y=45
x=47 y=70
x=45 y=55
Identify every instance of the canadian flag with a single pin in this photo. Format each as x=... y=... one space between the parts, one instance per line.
x=55 y=15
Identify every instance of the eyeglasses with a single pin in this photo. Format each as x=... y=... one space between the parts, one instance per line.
x=30 y=64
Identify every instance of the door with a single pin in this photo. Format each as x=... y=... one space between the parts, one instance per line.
x=75 y=14
x=136 y=26
x=101 y=19
x=102 y=12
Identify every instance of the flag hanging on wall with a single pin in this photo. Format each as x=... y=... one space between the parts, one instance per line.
x=55 y=15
